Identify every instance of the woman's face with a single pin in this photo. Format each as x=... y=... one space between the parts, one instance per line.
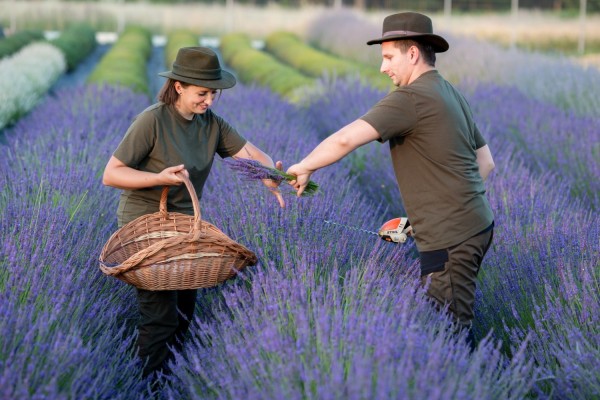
x=193 y=99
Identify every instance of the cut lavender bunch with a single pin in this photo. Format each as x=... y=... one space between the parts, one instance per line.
x=253 y=170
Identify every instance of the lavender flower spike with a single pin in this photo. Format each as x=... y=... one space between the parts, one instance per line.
x=253 y=170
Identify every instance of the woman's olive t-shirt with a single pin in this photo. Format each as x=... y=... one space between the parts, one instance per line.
x=433 y=142
x=160 y=137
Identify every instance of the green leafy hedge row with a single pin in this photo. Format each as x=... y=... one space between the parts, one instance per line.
x=252 y=65
x=176 y=40
x=15 y=42
x=125 y=63
x=76 y=43
x=289 y=48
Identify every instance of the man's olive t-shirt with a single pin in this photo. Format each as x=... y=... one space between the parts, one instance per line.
x=160 y=137
x=433 y=142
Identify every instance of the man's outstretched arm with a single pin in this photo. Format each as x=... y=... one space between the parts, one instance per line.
x=331 y=150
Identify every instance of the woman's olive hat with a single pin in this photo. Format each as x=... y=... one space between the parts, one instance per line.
x=199 y=66
x=411 y=25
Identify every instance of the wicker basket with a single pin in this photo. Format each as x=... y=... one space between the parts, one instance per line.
x=173 y=251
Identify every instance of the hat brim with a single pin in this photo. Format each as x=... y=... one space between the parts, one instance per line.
x=227 y=80
x=439 y=44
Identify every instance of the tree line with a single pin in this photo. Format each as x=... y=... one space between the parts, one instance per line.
x=568 y=6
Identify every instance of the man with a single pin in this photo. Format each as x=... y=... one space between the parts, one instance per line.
x=439 y=157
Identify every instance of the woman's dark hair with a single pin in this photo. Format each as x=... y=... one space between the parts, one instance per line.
x=426 y=50
x=167 y=93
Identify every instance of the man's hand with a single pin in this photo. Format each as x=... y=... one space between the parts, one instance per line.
x=302 y=178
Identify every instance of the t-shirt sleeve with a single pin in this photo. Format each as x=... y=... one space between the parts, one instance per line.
x=477 y=136
x=394 y=115
x=138 y=140
x=230 y=141
x=479 y=139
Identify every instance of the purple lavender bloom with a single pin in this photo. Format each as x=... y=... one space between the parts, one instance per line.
x=252 y=170
x=330 y=311
x=65 y=325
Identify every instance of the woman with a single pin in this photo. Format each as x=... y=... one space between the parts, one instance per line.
x=178 y=134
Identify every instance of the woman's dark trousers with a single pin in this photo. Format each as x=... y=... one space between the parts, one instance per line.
x=165 y=317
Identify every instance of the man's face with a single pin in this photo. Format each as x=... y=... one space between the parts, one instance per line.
x=396 y=65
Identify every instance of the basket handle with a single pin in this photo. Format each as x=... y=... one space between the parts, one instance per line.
x=193 y=195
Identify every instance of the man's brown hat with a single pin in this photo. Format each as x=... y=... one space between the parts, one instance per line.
x=411 y=25
x=199 y=66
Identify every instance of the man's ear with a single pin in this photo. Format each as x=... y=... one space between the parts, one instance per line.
x=413 y=53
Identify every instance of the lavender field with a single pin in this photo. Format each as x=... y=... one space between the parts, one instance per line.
x=329 y=312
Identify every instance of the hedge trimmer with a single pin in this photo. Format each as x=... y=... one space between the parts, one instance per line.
x=396 y=230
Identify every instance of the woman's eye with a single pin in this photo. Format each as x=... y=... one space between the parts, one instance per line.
x=204 y=94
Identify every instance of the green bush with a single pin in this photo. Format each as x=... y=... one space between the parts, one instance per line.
x=13 y=43
x=252 y=65
x=125 y=63
x=176 y=40
x=76 y=43
x=290 y=49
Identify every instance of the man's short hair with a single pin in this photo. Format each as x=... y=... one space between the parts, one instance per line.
x=426 y=50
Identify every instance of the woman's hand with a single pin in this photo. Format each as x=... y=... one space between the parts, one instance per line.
x=273 y=186
x=250 y=151
x=117 y=174
x=171 y=176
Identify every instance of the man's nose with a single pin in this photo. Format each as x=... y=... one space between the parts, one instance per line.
x=383 y=67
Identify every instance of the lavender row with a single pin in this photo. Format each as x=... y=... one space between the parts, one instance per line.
x=308 y=268
x=307 y=329
x=66 y=328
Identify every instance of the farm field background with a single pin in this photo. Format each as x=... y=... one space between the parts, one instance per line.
x=329 y=312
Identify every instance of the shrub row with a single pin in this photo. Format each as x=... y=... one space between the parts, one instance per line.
x=125 y=63
x=252 y=65
x=76 y=43
x=290 y=49
x=25 y=77
x=176 y=40
x=15 y=42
